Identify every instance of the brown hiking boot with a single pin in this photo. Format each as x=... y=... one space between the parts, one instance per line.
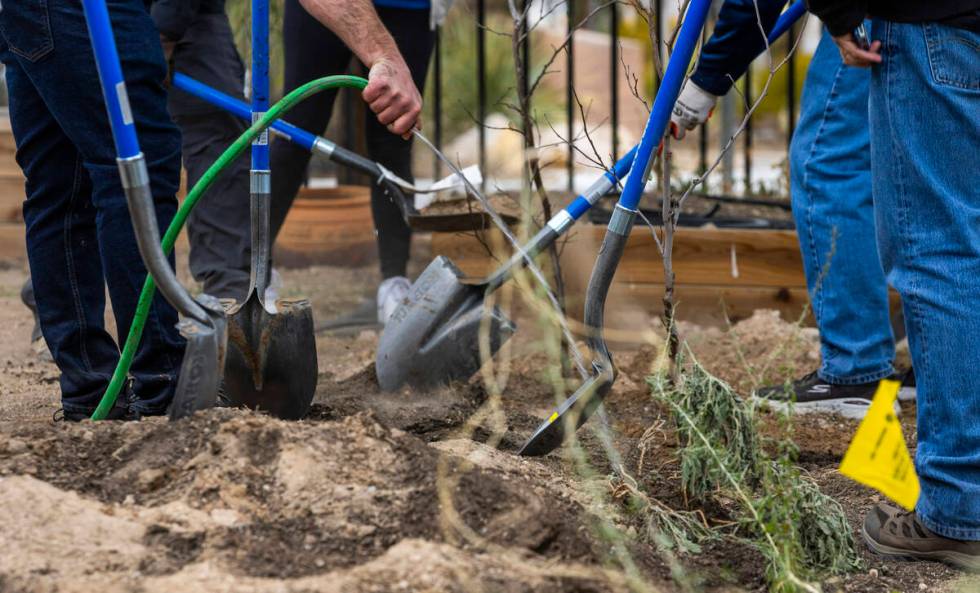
x=893 y=532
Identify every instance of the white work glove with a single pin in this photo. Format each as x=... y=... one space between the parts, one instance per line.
x=693 y=108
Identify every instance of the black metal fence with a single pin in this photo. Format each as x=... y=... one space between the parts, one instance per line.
x=606 y=18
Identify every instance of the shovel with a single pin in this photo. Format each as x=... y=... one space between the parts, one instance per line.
x=393 y=185
x=203 y=324
x=432 y=338
x=574 y=411
x=271 y=363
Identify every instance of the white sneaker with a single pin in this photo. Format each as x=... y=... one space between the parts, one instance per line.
x=391 y=293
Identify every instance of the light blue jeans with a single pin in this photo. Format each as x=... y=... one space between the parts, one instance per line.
x=830 y=177
x=925 y=158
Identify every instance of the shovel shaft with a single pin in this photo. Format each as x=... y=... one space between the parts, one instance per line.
x=786 y=20
x=132 y=165
x=670 y=87
x=260 y=80
x=111 y=78
x=284 y=129
x=561 y=222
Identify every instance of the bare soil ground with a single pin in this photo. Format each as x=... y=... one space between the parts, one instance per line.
x=380 y=492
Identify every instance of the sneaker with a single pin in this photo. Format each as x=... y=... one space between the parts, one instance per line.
x=391 y=293
x=896 y=533
x=907 y=393
x=813 y=394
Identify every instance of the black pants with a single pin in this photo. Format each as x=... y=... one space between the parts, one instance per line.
x=218 y=227
x=311 y=52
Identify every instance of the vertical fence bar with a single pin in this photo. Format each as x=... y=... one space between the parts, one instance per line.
x=747 y=134
x=614 y=75
x=791 y=84
x=481 y=85
x=569 y=96
x=437 y=102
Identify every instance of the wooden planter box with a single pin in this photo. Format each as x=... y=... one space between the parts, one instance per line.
x=328 y=226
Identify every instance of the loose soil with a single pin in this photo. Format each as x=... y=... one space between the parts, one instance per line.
x=382 y=492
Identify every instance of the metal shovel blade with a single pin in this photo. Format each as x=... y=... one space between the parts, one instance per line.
x=204 y=357
x=271 y=364
x=433 y=338
x=573 y=411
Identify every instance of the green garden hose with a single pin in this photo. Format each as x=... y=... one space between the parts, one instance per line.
x=149 y=288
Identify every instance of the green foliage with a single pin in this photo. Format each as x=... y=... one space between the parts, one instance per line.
x=803 y=533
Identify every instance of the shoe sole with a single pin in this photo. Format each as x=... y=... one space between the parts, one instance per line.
x=957 y=559
x=847 y=407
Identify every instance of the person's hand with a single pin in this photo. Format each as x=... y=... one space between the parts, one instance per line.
x=853 y=55
x=392 y=96
x=693 y=108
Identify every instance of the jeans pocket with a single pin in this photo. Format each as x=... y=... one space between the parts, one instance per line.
x=27 y=29
x=954 y=55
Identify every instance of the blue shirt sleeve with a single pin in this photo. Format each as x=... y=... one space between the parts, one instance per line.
x=735 y=42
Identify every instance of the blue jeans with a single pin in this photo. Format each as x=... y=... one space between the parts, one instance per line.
x=925 y=141
x=830 y=177
x=79 y=235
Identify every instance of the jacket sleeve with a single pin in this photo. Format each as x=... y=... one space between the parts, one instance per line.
x=840 y=16
x=735 y=42
x=173 y=17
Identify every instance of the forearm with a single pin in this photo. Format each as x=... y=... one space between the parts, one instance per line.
x=358 y=26
x=738 y=38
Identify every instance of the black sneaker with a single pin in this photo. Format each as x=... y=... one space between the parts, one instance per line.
x=895 y=533
x=907 y=393
x=120 y=409
x=813 y=394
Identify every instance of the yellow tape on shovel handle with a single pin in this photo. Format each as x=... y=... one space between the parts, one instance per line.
x=878 y=456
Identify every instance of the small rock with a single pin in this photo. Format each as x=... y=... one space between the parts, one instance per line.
x=16 y=446
x=224 y=517
x=922 y=587
x=130 y=499
x=88 y=435
x=873 y=573
x=320 y=563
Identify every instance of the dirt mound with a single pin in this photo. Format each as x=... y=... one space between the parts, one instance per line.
x=430 y=415
x=257 y=497
x=760 y=350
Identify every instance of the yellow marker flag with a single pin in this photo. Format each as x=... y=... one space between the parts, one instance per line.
x=878 y=456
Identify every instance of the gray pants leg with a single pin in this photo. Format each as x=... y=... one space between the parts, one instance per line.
x=219 y=226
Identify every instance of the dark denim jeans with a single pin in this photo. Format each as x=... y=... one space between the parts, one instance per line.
x=79 y=235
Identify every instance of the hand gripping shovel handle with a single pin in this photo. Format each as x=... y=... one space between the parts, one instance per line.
x=577 y=409
x=303 y=139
